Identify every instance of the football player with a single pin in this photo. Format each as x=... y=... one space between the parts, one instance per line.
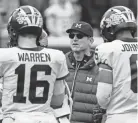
x=117 y=60
x=32 y=75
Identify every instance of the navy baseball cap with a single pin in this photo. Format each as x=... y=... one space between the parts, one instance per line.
x=82 y=27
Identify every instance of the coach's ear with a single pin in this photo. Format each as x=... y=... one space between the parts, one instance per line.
x=91 y=40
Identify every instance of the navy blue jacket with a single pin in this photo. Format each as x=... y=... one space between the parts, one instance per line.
x=82 y=82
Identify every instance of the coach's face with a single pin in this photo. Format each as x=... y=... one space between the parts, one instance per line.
x=79 y=41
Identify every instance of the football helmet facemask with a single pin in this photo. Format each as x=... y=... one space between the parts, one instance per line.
x=24 y=20
x=116 y=19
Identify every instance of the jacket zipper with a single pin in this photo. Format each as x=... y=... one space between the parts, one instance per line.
x=74 y=82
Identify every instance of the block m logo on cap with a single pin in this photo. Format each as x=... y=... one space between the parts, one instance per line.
x=78 y=25
x=89 y=79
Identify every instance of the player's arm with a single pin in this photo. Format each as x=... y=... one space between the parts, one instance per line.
x=104 y=88
x=60 y=102
x=103 y=58
x=59 y=86
x=63 y=109
x=58 y=94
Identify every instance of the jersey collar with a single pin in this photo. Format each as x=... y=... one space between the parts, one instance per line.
x=128 y=39
x=32 y=49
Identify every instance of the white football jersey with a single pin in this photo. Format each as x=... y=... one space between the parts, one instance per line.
x=121 y=56
x=29 y=77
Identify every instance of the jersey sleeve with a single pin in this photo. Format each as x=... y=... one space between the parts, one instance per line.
x=103 y=55
x=6 y=54
x=58 y=94
x=63 y=70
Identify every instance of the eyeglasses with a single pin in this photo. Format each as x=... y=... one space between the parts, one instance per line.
x=79 y=36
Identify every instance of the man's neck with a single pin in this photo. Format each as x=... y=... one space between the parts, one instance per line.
x=80 y=55
x=25 y=42
x=123 y=34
